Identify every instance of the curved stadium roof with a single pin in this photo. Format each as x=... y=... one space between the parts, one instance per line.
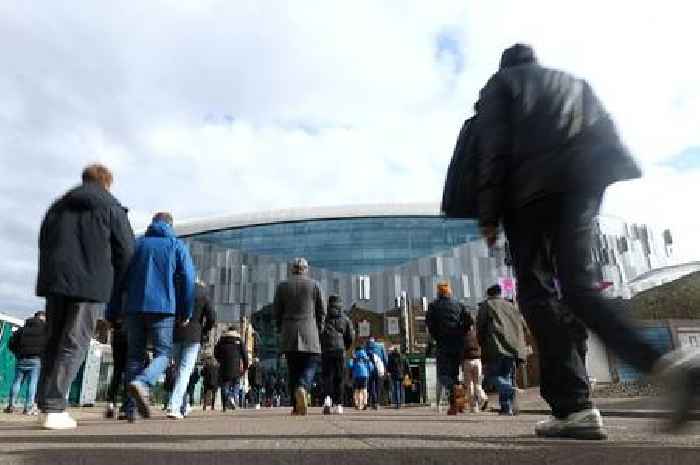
x=351 y=239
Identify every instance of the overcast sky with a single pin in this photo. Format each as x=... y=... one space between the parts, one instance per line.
x=215 y=107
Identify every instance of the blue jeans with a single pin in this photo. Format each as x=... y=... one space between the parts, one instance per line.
x=26 y=369
x=397 y=391
x=185 y=356
x=139 y=327
x=229 y=393
x=500 y=372
x=302 y=369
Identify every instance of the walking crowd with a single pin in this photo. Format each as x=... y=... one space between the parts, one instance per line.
x=533 y=162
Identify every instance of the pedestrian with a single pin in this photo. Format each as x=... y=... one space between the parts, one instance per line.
x=446 y=321
x=548 y=149
x=256 y=376
x=299 y=315
x=188 y=400
x=28 y=344
x=232 y=356
x=160 y=295
x=396 y=370
x=361 y=368
x=187 y=339
x=119 y=355
x=337 y=337
x=500 y=329
x=85 y=244
x=210 y=380
x=473 y=370
x=377 y=356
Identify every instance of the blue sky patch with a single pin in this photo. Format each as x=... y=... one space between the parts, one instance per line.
x=449 y=44
x=688 y=159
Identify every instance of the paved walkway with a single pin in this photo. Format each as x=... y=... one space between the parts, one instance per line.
x=270 y=436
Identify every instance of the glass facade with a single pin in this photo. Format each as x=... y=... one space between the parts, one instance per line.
x=361 y=245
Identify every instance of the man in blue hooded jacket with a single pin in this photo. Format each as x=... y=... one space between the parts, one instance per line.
x=160 y=295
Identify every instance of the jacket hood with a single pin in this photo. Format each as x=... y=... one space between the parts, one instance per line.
x=160 y=229
x=360 y=353
x=518 y=54
x=88 y=196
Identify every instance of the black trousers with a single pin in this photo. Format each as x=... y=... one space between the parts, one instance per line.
x=70 y=326
x=333 y=370
x=118 y=382
x=553 y=238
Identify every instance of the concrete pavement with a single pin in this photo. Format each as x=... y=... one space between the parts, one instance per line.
x=271 y=436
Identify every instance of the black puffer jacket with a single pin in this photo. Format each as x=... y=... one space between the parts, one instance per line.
x=446 y=322
x=32 y=338
x=232 y=356
x=542 y=132
x=85 y=245
x=337 y=334
x=201 y=322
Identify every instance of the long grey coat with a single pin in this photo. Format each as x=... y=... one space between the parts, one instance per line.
x=299 y=313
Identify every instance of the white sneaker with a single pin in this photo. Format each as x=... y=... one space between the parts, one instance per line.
x=257 y=406
x=175 y=415
x=188 y=410
x=586 y=424
x=339 y=409
x=58 y=420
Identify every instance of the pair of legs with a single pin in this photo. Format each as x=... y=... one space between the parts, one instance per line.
x=230 y=390
x=118 y=385
x=333 y=369
x=448 y=364
x=185 y=356
x=302 y=369
x=27 y=369
x=209 y=397
x=373 y=389
x=70 y=325
x=473 y=377
x=552 y=238
x=397 y=391
x=140 y=327
x=500 y=371
x=360 y=393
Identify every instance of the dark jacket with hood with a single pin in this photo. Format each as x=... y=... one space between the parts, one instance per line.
x=201 y=323
x=161 y=274
x=85 y=244
x=501 y=330
x=337 y=334
x=30 y=340
x=396 y=367
x=541 y=132
x=232 y=356
x=446 y=321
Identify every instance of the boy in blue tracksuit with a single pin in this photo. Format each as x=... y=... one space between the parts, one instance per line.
x=160 y=295
x=362 y=369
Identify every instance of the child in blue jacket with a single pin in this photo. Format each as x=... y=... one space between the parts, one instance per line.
x=361 y=368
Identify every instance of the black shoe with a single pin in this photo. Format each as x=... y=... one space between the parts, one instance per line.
x=9 y=409
x=122 y=416
x=484 y=405
x=139 y=393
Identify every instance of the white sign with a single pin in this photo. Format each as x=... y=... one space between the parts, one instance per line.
x=690 y=339
x=363 y=328
x=392 y=325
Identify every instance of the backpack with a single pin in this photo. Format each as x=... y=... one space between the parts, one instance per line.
x=378 y=364
x=15 y=343
x=459 y=195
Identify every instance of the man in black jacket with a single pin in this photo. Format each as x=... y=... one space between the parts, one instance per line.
x=85 y=245
x=547 y=151
x=396 y=370
x=187 y=339
x=336 y=338
x=446 y=320
x=28 y=344
x=232 y=356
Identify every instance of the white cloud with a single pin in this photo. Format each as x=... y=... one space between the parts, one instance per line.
x=211 y=107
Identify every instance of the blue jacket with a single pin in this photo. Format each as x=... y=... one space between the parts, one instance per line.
x=360 y=365
x=161 y=275
x=373 y=347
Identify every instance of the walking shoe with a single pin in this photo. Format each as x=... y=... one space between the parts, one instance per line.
x=139 y=392
x=680 y=369
x=339 y=409
x=300 y=401
x=327 y=403
x=33 y=412
x=257 y=407
x=109 y=411
x=59 y=420
x=485 y=405
x=188 y=410
x=175 y=415
x=9 y=409
x=586 y=424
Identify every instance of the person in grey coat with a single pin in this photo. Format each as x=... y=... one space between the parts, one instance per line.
x=299 y=316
